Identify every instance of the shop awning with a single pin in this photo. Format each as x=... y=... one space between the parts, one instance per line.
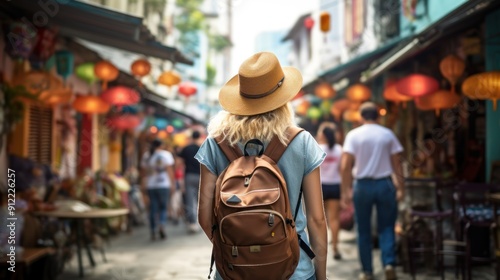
x=354 y=67
x=93 y=23
x=468 y=14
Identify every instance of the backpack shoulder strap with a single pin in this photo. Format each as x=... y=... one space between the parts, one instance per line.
x=231 y=152
x=275 y=148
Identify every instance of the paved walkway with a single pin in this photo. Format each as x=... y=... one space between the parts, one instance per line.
x=182 y=256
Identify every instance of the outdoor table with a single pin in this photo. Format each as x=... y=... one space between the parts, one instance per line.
x=78 y=217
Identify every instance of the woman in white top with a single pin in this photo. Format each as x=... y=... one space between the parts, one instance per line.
x=330 y=180
x=158 y=166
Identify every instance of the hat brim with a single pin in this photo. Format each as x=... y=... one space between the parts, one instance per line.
x=231 y=100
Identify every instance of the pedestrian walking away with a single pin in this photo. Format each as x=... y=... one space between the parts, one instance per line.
x=330 y=180
x=158 y=168
x=256 y=112
x=373 y=151
x=191 y=180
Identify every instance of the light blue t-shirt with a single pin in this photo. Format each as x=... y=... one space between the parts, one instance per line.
x=302 y=156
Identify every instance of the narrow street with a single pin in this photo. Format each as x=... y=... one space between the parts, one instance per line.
x=187 y=257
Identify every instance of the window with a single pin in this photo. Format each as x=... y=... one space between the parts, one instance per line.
x=40 y=134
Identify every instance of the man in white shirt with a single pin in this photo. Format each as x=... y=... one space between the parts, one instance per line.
x=371 y=154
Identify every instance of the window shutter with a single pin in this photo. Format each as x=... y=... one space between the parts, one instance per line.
x=40 y=134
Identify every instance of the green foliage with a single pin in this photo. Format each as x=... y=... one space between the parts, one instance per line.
x=218 y=42
x=211 y=72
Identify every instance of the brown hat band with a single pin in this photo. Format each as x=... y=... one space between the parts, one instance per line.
x=257 y=96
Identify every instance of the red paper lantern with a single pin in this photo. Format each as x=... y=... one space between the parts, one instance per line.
x=359 y=93
x=416 y=85
x=124 y=122
x=392 y=94
x=187 y=89
x=90 y=104
x=120 y=96
x=309 y=23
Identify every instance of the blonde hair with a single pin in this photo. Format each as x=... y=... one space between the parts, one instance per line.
x=236 y=128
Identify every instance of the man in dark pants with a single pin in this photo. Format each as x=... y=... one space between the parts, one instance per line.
x=191 y=180
x=374 y=152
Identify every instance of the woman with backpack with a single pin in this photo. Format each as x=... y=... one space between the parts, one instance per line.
x=330 y=180
x=256 y=112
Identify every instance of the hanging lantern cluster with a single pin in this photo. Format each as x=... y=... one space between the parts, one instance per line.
x=324 y=91
x=483 y=86
x=452 y=68
x=359 y=93
x=392 y=94
x=90 y=104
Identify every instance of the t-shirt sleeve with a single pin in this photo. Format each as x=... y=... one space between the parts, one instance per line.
x=395 y=145
x=206 y=156
x=168 y=158
x=314 y=155
x=348 y=144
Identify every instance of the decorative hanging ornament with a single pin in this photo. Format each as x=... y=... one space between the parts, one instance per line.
x=309 y=23
x=20 y=39
x=440 y=100
x=392 y=94
x=302 y=107
x=351 y=115
x=120 y=96
x=314 y=113
x=124 y=121
x=187 y=88
x=90 y=104
x=452 y=68
x=140 y=68
x=64 y=63
x=106 y=71
x=56 y=96
x=85 y=71
x=324 y=91
x=359 y=93
x=169 y=78
x=483 y=86
x=339 y=107
x=417 y=85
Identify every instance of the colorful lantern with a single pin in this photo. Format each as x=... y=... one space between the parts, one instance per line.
x=309 y=22
x=177 y=123
x=120 y=96
x=416 y=85
x=106 y=71
x=187 y=89
x=169 y=78
x=56 y=96
x=324 y=91
x=452 y=68
x=441 y=99
x=161 y=123
x=123 y=122
x=324 y=20
x=299 y=95
x=85 y=71
x=140 y=67
x=352 y=116
x=302 y=108
x=314 y=113
x=36 y=82
x=359 y=93
x=483 y=86
x=64 y=63
x=45 y=45
x=90 y=104
x=180 y=139
x=339 y=107
x=392 y=94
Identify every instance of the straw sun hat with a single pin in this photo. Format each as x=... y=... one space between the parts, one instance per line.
x=261 y=86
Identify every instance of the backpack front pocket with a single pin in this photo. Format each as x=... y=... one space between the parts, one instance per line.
x=253 y=227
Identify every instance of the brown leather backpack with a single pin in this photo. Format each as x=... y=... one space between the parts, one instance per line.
x=254 y=234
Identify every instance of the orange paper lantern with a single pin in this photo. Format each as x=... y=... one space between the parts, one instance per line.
x=140 y=67
x=441 y=99
x=359 y=93
x=106 y=71
x=392 y=94
x=339 y=107
x=56 y=96
x=352 y=115
x=483 y=86
x=169 y=78
x=302 y=108
x=416 y=85
x=324 y=91
x=90 y=104
x=452 y=68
